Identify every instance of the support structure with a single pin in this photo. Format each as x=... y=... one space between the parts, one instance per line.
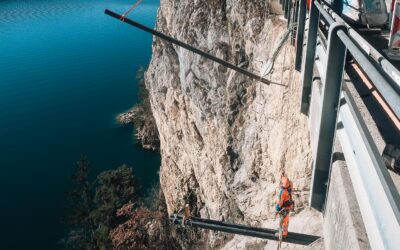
x=308 y=65
x=190 y=48
x=377 y=196
x=263 y=233
x=327 y=123
x=301 y=21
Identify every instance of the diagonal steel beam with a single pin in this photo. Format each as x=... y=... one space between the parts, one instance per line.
x=190 y=48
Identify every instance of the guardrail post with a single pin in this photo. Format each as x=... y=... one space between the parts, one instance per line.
x=308 y=65
x=301 y=21
x=284 y=7
x=293 y=18
x=288 y=10
x=329 y=111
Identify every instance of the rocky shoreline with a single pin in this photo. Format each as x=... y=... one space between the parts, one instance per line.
x=144 y=125
x=127 y=117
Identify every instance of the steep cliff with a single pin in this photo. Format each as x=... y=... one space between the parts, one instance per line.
x=226 y=138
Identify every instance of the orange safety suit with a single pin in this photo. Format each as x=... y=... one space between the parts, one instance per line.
x=285 y=202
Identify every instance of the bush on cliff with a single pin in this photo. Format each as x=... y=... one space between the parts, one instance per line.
x=80 y=202
x=141 y=116
x=108 y=214
x=93 y=214
x=114 y=189
x=143 y=228
x=143 y=120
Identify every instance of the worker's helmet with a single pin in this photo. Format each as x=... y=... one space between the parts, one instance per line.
x=285 y=182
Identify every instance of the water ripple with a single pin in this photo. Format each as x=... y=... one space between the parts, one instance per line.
x=28 y=11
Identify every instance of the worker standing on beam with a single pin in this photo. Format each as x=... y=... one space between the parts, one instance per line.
x=284 y=203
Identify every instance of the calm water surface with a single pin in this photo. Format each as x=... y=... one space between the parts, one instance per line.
x=66 y=70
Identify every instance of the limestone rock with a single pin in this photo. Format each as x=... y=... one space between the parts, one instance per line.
x=224 y=138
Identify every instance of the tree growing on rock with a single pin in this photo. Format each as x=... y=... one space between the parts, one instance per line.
x=114 y=217
x=114 y=189
x=144 y=227
x=141 y=116
x=80 y=235
x=80 y=197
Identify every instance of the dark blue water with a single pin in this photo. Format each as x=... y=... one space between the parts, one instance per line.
x=66 y=70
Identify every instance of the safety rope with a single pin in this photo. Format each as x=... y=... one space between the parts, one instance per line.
x=283 y=65
x=282 y=42
x=130 y=9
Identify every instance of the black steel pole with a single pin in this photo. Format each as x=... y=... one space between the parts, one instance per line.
x=191 y=48
x=308 y=65
x=301 y=21
x=263 y=233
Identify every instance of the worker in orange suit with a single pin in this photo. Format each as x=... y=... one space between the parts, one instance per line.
x=284 y=203
x=186 y=216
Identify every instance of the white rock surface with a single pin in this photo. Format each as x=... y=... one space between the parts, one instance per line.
x=224 y=137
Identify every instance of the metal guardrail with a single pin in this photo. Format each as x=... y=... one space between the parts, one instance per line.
x=377 y=196
x=392 y=73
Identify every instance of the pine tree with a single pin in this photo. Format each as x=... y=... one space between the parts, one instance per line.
x=80 y=235
x=80 y=196
x=114 y=189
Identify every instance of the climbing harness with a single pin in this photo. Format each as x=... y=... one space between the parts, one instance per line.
x=123 y=16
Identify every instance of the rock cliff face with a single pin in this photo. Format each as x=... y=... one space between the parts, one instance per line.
x=226 y=138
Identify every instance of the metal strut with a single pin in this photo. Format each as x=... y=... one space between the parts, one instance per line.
x=123 y=16
x=263 y=233
x=191 y=48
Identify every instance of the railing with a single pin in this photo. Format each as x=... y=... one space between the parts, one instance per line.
x=376 y=193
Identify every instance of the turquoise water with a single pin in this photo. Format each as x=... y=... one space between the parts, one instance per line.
x=66 y=70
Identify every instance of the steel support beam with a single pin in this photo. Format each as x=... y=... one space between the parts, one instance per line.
x=284 y=8
x=263 y=233
x=288 y=10
x=301 y=22
x=190 y=48
x=293 y=19
x=327 y=124
x=308 y=65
